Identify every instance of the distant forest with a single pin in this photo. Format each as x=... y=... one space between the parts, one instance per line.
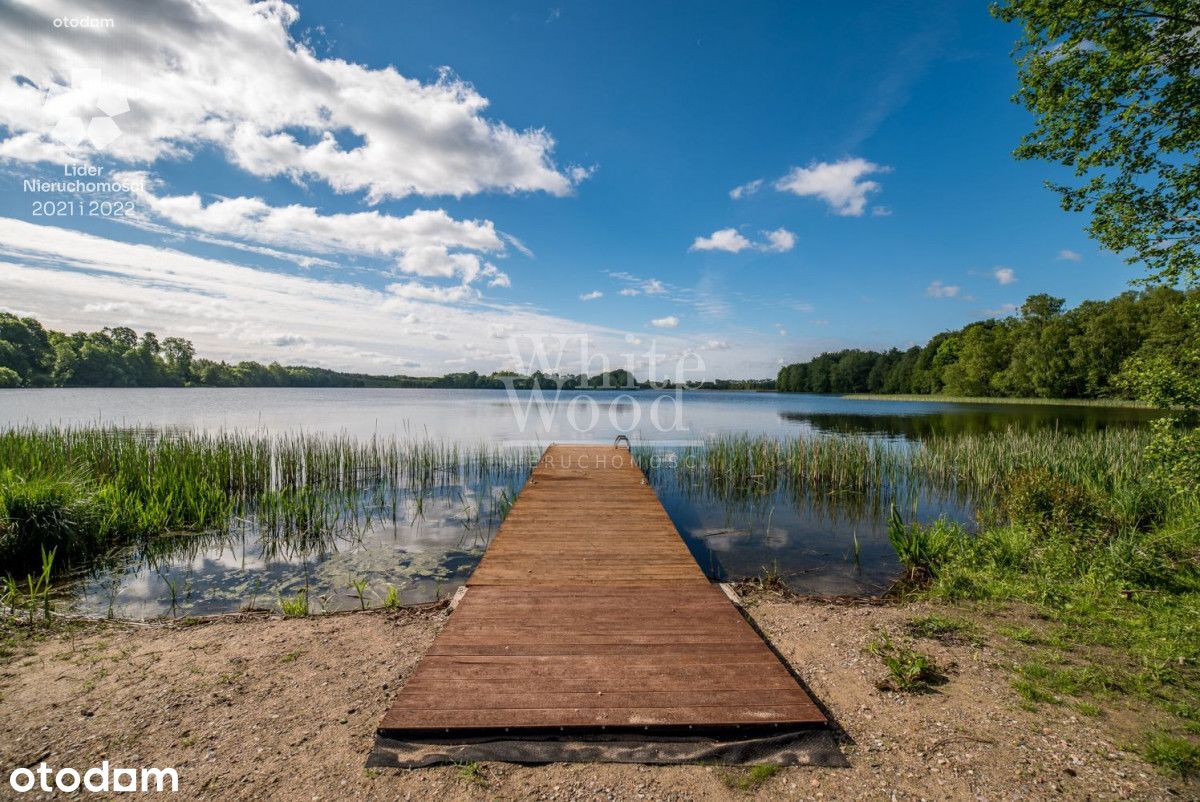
x=33 y=356
x=1041 y=352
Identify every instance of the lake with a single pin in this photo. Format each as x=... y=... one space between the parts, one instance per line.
x=432 y=536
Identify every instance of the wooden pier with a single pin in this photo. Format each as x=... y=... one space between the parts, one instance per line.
x=589 y=612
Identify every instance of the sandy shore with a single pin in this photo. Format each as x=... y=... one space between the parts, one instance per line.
x=266 y=707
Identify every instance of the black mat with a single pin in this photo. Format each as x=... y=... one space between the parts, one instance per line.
x=806 y=747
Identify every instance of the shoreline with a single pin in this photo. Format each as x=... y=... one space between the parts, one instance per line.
x=228 y=703
x=1113 y=403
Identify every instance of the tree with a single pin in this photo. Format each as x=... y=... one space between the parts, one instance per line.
x=179 y=354
x=25 y=349
x=1113 y=86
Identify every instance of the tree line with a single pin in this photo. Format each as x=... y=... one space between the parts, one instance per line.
x=33 y=356
x=1043 y=351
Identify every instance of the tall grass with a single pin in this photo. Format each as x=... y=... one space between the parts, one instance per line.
x=91 y=489
x=967 y=466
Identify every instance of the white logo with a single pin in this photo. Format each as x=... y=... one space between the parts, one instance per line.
x=88 y=92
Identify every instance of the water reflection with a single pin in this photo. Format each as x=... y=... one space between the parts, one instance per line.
x=423 y=541
x=970 y=419
x=816 y=541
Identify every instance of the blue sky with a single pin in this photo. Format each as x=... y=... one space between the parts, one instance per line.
x=408 y=187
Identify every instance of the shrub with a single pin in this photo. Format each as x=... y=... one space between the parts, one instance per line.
x=1045 y=503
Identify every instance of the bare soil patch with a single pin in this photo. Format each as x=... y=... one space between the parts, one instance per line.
x=273 y=708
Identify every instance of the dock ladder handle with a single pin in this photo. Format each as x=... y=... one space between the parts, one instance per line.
x=617 y=442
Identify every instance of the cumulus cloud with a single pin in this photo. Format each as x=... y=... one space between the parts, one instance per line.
x=264 y=100
x=937 y=289
x=1068 y=255
x=668 y=322
x=630 y=291
x=1004 y=275
x=726 y=239
x=780 y=240
x=744 y=190
x=731 y=241
x=591 y=296
x=842 y=184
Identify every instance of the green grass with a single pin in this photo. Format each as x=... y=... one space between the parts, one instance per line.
x=967 y=399
x=750 y=778
x=1174 y=755
x=943 y=629
x=88 y=491
x=472 y=773
x=295 y=607
x=908 y=669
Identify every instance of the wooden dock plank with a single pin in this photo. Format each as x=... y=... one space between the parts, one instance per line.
x=588 y=610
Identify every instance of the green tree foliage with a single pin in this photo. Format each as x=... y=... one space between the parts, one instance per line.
x=1114 y=86
x=1043 y=352
x=31 y=356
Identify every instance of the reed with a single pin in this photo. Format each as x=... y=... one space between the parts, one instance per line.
x=86 y=491
x=963 y=465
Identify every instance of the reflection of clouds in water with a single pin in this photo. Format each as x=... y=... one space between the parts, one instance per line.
x=423 y=558
x=808 y=539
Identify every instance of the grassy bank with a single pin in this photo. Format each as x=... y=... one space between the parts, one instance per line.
x=1124 y=403
x=1072 y=531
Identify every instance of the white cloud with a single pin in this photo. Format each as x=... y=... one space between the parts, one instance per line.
x=715 y=345
x=726 y=239
x=1004 y=275
x=427 y=243
x=1068 y=255
x=630 y=291
x=747 y=189
x=228 y=74
x=75 y=281
x=840 y=184
x=653 y=287
x=591 y=296
x=668 y=322
x=731 y=241
x=881 y=211
x=780 y=240
x=937 y=289
x=516 y=243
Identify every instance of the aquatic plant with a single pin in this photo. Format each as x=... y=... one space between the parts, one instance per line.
x=86 y=491
x=295 y=607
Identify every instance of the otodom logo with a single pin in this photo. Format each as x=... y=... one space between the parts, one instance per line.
x=101 y=779
x=73 y=109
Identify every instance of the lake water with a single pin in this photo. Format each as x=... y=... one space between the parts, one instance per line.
x=433 y=536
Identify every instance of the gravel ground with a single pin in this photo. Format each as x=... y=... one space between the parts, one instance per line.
x=261 y=707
